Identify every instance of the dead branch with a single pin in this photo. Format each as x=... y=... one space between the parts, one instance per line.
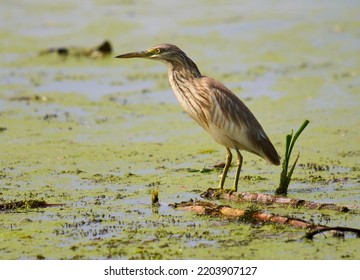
x=270 y=199
x=313 y=232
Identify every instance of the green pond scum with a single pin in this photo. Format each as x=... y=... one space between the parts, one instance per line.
x=96 y=137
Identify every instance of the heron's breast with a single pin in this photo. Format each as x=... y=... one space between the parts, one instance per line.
x=196 y=106
x=220 y=137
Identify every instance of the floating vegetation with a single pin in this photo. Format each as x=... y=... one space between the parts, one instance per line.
x=202 y=170
x=317 y=167
x=26 y=204
x=207 y=151
x=126 y=121
x=155 y=198
x=35 y=98
x=111 y=178
x=254 y=178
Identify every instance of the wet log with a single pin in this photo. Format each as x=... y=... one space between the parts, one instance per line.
x=270 y=199
x=212 y=209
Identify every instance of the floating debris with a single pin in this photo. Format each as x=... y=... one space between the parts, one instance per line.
x=26 y=204
x=102 y=50
x=38 y=98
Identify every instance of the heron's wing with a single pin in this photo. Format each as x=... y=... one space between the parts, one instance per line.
x=231 y=116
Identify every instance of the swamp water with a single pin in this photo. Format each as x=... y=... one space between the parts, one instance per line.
x=98 y=135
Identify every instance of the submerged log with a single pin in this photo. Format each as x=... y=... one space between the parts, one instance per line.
x=270 y=199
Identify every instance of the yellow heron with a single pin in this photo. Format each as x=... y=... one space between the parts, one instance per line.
x=214 y=107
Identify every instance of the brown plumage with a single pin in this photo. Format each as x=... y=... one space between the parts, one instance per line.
x=214 y=107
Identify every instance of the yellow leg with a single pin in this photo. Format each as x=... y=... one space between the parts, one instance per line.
x=238 y=169
x=226 y=168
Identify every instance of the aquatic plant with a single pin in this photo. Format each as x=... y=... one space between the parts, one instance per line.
x=285 y=176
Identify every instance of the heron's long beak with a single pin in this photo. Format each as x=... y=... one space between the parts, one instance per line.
x=143 y=54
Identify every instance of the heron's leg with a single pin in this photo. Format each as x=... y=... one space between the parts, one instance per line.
x=226 y=168
x=238 y=169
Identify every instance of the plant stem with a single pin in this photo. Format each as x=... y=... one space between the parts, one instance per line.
x=285 y=176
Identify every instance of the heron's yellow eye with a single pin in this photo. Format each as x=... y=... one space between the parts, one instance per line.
x=157 y=50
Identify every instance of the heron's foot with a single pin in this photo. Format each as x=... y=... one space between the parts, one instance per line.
x=218 y=193
x=233 y=189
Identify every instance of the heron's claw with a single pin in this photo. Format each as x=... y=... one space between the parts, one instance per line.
x=217 y=193
x=232 y=190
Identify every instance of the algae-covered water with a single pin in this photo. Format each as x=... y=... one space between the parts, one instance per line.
x=96 y=136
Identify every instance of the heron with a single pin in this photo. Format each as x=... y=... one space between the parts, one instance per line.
x=214 y=107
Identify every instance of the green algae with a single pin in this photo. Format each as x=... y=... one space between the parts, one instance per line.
x=99 y=135
x=25 y=204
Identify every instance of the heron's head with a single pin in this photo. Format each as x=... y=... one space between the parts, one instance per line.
x=163 y=52
x=167 y=53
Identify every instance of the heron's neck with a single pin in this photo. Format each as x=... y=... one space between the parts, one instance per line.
x=183 y=72
x=182 y=80
x=185 y=83
x=184 y=67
